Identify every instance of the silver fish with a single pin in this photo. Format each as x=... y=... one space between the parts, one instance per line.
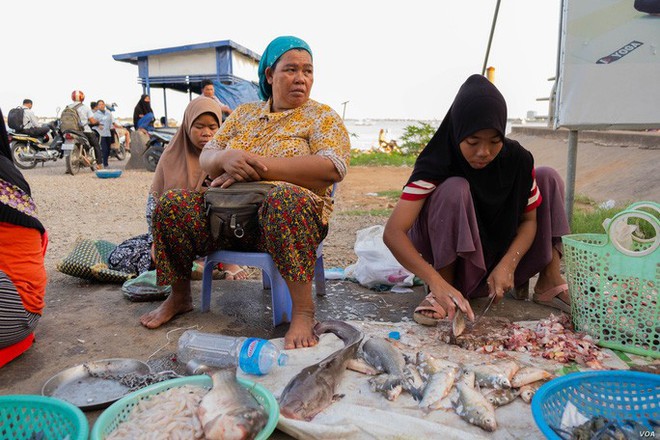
x=438 y=387
x=458 y=323
x=527 y=375
x=430 y=365
x=527 y=391
x=229 y=411
x=385 y=357
x=313 y=389
x=495 y=375
x=474 y=408
x=501 y=397
x=468 y=378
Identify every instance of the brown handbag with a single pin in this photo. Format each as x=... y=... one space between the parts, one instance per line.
x=232 y=212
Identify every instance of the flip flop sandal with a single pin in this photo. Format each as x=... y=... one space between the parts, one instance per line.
x=551 y=298
x=521 y=292
x=229 y=273
x=198 y=273
x=433 y=307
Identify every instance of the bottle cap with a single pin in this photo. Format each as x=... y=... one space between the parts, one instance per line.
x=282 y=359
x=194 y=367
x=394 y=335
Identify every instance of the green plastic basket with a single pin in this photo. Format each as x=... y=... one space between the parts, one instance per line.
x=614 y=286
x=119 y=411
x=22 y=416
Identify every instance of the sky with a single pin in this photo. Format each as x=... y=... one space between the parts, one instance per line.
x=388 y=59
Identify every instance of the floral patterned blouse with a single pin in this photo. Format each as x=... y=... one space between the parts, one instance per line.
x=312 y=128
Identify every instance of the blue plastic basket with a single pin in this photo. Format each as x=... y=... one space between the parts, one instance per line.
x=21 y=416
x=119 y=411
x=615 y=395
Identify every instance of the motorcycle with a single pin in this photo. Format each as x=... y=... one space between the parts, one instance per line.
x=28 y=151
x=118 y=148
x=78 y=152
x=154 y=148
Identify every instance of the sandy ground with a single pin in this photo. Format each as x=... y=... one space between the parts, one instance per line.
x=86 y=321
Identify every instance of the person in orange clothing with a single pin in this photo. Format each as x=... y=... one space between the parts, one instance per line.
x=23 y=242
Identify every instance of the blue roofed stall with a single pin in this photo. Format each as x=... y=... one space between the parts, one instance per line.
x=231 y=67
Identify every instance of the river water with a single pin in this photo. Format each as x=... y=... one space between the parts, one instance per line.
x=364 y=132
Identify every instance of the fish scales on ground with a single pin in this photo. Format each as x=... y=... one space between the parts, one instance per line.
x=314 y=388
x=385 y=357
x=228 y=411
x=488 y=334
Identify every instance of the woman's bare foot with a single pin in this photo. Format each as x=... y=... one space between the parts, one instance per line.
x=234 y=272
x=301 y=333
x=175 y=304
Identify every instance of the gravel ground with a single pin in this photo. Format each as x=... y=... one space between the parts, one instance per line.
x=113 y=209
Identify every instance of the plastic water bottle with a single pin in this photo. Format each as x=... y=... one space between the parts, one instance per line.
x=252 y=355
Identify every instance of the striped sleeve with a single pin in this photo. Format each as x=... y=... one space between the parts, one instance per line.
x=418 y=190
x=535 y=197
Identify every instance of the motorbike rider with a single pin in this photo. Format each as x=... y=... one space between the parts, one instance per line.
x=31 y=125
x=87 y=120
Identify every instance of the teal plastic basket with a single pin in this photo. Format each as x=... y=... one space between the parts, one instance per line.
x=615 y=395
x=614 y=289
x=119 y=411
x=108 y=174
x=22 y=416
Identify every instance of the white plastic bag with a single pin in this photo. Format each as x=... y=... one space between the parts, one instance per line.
x=375 y=264
x=621 y=232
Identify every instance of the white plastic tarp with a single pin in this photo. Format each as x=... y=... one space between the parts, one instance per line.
x=364 y=414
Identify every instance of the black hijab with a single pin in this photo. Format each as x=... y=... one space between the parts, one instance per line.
x=141 y=108
x=10 y=174
x=501 y=189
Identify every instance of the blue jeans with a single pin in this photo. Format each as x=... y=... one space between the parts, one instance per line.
x=106 y=141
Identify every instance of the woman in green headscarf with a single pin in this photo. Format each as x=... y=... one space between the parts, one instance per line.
x=287 y=138
x=278 y=47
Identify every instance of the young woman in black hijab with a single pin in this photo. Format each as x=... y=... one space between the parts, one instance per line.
x=141 y=108
x=23 y=242
x=476 y=218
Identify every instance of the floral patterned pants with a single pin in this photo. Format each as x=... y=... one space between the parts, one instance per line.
x=290 y=230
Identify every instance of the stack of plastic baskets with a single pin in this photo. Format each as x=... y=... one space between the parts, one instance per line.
x=614 y=282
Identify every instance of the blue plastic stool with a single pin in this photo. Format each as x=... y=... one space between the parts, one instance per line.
x=272 y=279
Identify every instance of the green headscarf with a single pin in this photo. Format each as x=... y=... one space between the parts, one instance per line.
x=273 y=52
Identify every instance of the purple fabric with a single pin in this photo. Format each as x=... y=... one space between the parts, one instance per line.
x=446 y=231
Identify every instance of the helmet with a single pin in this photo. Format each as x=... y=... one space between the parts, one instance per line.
x=77 y=96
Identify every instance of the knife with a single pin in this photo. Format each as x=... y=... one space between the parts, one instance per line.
x=490 y=303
